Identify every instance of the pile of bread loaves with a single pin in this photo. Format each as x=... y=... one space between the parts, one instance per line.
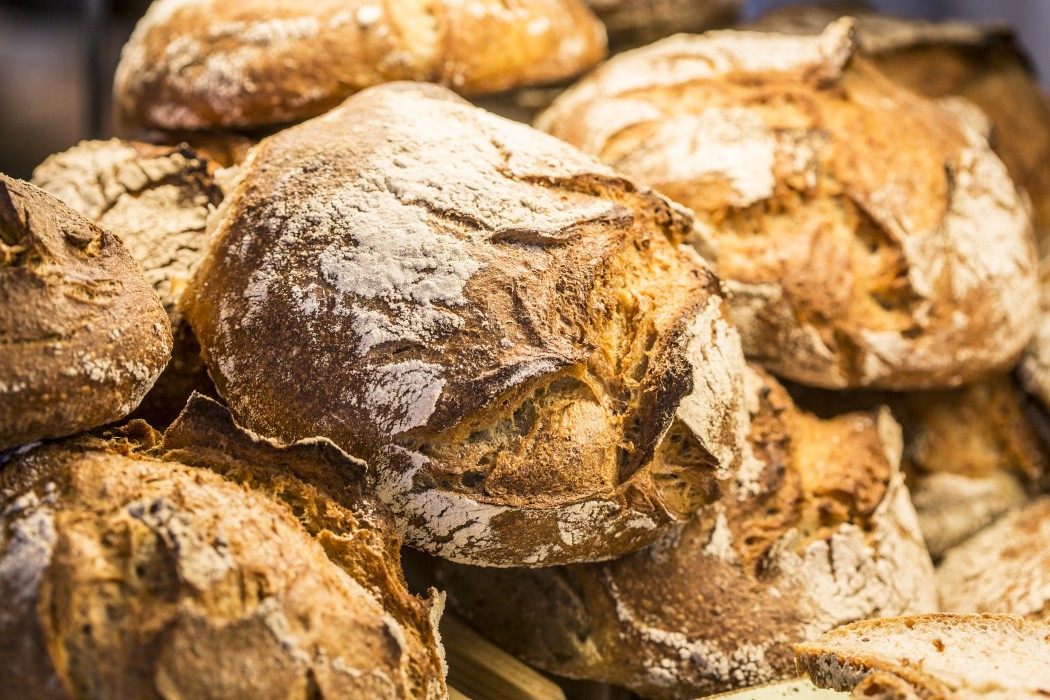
x=740 y=368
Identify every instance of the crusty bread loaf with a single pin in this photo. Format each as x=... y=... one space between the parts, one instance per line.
x=497 y=323
x=157 y=199
x=83 y=337
x=1005 y=568
x=128 y=576
x=970 y=454
x=868 y=236
x=983 y=63
x=636 y=22
x=820 y=533
x=933 y=657
x=199 y=64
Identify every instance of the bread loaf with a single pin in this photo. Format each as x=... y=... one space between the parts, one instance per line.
x=83 y=337
x=200 y=64
x=1005 y=568
x=868 y=236
x=820 y=533
x=933 y=657
x=127 y=575
x=157 y=199
x=498 y=324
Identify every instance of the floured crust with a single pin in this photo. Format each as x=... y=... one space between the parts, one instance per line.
x=868 y=236
x=942 y=656
x=82 y=335
x=125 y=575
x=199 y=64
x=1005 y=568
x=636 y=22
x=823 y=534
x=481 y=312
x=157 y=199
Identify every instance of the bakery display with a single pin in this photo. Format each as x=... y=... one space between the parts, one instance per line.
x=1004 y=568
x=499 y=325
x=83 y=336
x=868 y=237
x=934 y=657
x=198 y=564
x=821 y=534
x=157 y=199
x=202 y=64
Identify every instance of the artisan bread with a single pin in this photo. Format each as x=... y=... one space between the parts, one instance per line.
x=497 y=324
x=83 y=337
x=200 y=64
x=820 y=533
x=1005 y=568
x=933 y=657
x=971 y=454
x=126 y=575
x=868 y=236
x=157 y=199
x=982 y=63
x=636 y=22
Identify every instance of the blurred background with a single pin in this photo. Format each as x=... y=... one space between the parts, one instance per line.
x=57 y=59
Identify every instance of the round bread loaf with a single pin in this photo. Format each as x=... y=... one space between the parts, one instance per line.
x=983 y=63
x=497 y=323
x=868 y=236
x=128 y=576
x=82 y=335
x=157 y=199
x=970 y=454
x=1005 y=568
x=821 y=534
x=199 y=64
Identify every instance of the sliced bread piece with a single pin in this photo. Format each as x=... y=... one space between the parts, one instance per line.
x=942 y=656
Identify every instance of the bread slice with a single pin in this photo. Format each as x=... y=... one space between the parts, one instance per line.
x=938 y=656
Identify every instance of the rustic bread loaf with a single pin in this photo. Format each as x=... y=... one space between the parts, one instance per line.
x=933 y=657
x=130 y=576
x=199 y=64
x=821 y=533
x=1002 y=569
x=636 y=22
x=970 y=454
x=868 y=236
x=157 y=199
x=82 y=335
x=983 y=63
x=497 y=323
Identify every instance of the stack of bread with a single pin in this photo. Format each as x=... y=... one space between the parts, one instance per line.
x=721 y=364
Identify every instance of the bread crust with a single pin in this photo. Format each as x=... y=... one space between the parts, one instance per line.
x=632 y=23
x=126 y=575
x=157 y=199
x=797 y=156
x=821 y=533
x=83 y=337
x=200 y=64
x=484 y=315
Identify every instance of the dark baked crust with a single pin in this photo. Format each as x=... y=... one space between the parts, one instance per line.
x=125 y=575
x=499 y=325
x=250 y=63
x=637 y=22
x=83 y=337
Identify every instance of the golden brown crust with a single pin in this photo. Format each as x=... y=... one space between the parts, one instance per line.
x=157 y=199
x=199 y=64
x=130 y=576
x=484 y=314
x=867 y=235
x=821 y=534
x=82 y=335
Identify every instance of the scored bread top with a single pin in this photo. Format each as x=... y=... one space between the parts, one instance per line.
x=869 y=237
x=83 y=337
x=199 y=64
x=209 y=570
x=943 y=656
x=498 y=324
